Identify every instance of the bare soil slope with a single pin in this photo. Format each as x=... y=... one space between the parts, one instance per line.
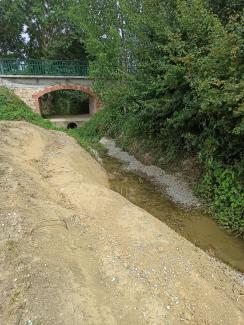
x=74 y=252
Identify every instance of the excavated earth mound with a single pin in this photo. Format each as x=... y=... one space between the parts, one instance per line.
x=74 y=252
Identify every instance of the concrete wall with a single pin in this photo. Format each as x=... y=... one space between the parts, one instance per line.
x=31 y=88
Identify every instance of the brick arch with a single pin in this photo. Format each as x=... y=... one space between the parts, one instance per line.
x=94 y=103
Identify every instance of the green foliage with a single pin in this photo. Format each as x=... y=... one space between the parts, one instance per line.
x=105 y=122
x=40 y=29
x=222 y=189
x=185 y=96
x=11 y=27
x=51 y=31
x=12 y=108
x=226 y=8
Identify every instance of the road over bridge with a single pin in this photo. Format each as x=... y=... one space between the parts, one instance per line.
x=31 y=79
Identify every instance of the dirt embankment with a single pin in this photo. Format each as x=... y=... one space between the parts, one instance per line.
x=74 y=252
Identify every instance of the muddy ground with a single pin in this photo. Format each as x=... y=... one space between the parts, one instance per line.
x=74 y=252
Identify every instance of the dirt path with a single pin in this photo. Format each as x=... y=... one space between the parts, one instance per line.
x=74 y=252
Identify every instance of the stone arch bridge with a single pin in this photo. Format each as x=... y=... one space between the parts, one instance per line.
x=31 y=86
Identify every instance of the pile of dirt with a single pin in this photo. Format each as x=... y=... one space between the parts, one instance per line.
x=74 y=252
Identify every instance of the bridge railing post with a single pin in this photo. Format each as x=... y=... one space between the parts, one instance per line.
x=1 y=68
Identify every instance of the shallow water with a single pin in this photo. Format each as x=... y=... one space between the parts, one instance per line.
x=192 y=224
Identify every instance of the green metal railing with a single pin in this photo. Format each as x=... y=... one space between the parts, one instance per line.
x=43 y=67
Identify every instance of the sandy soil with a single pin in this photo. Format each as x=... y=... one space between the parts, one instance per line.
x=74 y=252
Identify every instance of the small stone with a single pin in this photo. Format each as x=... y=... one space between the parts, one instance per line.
x=188 y=316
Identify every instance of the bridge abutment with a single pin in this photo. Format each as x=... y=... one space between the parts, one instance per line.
x=27 y=95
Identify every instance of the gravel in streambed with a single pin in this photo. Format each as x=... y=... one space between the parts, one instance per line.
x=176 y=188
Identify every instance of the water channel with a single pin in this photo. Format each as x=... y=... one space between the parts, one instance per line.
x=192 y=224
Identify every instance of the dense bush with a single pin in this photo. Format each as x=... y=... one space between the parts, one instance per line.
x=185 y=96
x=222 y=189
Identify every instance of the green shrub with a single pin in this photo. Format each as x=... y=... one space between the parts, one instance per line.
x=221 y=188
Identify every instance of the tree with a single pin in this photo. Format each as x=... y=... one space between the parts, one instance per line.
x=51 y=31
x=12 y=42
x=40 y=29
x=226 y=8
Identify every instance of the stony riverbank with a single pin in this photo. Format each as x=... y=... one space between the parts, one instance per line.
x=174 y=185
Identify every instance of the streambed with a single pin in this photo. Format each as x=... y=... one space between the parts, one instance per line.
x=188 y=221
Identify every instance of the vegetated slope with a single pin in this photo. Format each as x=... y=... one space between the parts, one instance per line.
x=73 y=251
x=13 y=108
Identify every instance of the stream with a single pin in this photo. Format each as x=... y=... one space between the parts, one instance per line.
x=190 y=223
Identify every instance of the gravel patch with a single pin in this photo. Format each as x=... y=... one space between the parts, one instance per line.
x=176 y=188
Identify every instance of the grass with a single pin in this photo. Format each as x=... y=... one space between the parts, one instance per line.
x=13 y=108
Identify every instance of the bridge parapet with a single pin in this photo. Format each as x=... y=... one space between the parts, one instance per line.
x=39 y=81
x=43 y=67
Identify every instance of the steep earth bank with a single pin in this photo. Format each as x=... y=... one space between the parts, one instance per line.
x=74 y=252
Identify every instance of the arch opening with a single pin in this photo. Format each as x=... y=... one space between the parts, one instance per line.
x=64 y=103
x=89 y=98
